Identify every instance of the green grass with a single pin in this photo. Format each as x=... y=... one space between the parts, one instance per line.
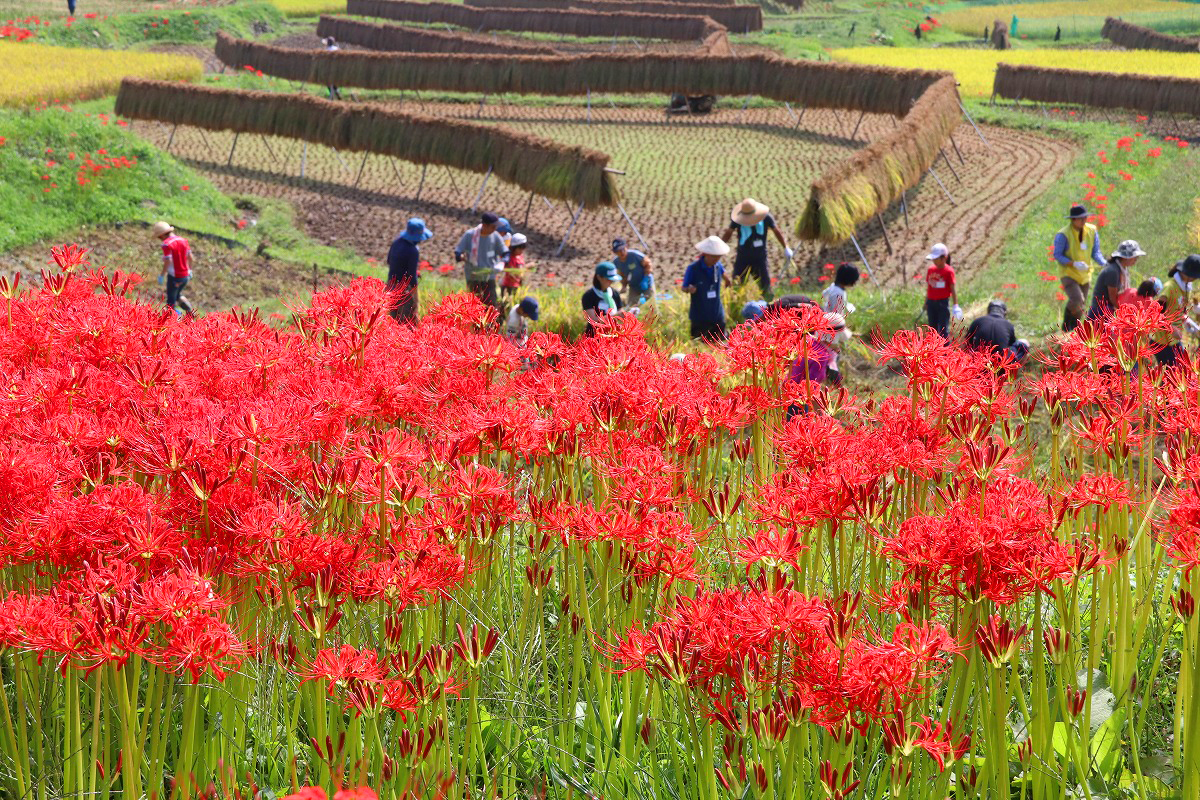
x=1155 y=209
x=152 y=189
x=143 y=28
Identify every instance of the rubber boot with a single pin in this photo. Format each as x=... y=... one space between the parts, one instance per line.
x=1069 y=322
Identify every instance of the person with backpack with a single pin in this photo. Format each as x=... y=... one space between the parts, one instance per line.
x=177 y=266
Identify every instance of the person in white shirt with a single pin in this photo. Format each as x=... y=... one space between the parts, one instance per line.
x=836 y=300
x=517 y=326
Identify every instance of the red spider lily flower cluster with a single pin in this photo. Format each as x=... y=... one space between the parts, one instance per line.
x=394 y=525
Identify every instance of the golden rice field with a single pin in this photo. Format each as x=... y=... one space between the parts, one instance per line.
x=973 y=20
x=975 y=69
x=309 y=8
x=31 y=73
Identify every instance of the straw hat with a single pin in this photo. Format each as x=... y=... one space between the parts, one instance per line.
x=749 y=212
x=161 y=228
x=713 y=246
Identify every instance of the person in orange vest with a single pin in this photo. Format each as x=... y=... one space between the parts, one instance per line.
x=1076 y=248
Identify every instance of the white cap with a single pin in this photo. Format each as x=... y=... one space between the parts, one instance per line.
x=937 y=251
x=517 y=240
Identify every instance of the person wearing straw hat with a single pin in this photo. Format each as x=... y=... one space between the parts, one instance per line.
x=1114 y=279
x=702 y=280
x=177 y=266
x=403 y=260
x=1075 y=248
x=751 y=220
x=482 y=251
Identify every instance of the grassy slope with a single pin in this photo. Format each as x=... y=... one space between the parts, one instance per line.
x=113 y=28
x=153 y=189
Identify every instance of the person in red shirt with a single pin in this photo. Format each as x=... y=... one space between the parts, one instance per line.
x=177 y=266
x=940 y=288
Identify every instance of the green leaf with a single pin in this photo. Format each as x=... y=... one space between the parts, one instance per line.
x=1106 y=743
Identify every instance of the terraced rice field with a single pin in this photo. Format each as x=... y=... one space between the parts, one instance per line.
x=682 y=177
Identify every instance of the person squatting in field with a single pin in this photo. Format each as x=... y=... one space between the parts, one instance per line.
x=1076 y=248
x=177 y=266
x=751 y=220
x=702 y=280
x=516 y=327
x=994 y=332
x=482 y=251
x=403 y=260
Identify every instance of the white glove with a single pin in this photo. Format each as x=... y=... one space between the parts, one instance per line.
x=1081 y=265
x=788 y=253
x=850 y=309
x=1191 y=326
x=957 y=312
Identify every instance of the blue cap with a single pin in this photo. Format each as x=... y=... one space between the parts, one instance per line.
x=502 y=226
x=618 y=245
x=530 y=306
x=753 y=310
x=416 y=232
x=607 y=270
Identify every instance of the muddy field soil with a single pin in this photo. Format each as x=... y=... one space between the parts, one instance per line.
x=683 y=174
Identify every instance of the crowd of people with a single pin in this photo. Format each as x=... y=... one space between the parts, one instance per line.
x=494 y=270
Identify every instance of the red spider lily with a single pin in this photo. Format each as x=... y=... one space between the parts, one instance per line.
x=998 y=640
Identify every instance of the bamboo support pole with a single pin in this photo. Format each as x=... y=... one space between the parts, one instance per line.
x=567 y=235
x=361 y=167
x=636 y=233
x=171 y=138
x=863 y=256
x=528 y=208
x=973 y=125
x=482 y=188
x=887 y=240
x=858 y=124
x=956 y=150
x=421 y=185
x=942 y=150
x=944 y=189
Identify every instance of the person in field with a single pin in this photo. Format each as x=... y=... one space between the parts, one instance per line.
x=1146 y=292
x=177 y=266
x=482 y=251
x=836 y=299
x=602 y=302
x=331 y=46
x=1114 y=279
x=940 y=288
x=702 y=280
x=993 y=332
x=403 y=260
x=514 y=268
x=1179 y=301
x=516 y=327
x=752 y=221
x=637 y=272
x=1076 y=249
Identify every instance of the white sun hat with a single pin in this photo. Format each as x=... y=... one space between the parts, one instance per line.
x=713 y=246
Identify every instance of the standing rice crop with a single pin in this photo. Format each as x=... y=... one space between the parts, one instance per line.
x=31 y=73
